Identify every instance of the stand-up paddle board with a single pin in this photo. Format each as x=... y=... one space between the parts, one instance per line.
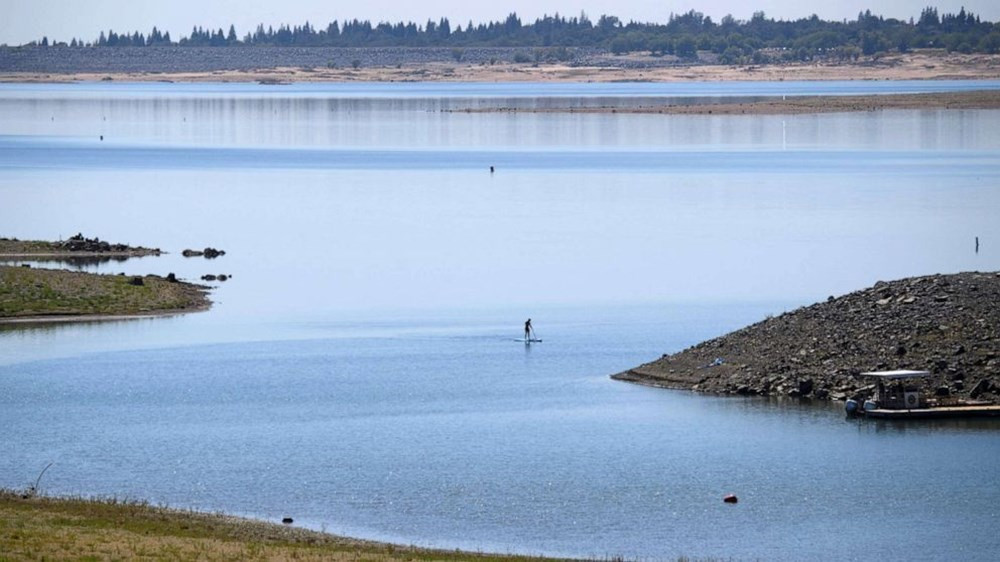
x=532 y=340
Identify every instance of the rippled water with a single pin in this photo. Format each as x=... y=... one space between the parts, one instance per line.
x=359 y=371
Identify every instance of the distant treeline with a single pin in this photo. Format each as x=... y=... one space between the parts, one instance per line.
x=734 y=41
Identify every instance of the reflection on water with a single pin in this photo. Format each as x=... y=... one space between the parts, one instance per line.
x=280 y=118
x=79 y=263
x=927 y=427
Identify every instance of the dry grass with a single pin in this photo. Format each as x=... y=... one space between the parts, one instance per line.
x=40 y=528
x=30 y=292
x=16 y=247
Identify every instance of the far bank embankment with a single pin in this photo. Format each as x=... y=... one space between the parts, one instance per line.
x=283 y=65
x=946 y=324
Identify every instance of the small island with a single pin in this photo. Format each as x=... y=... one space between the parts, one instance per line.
x=946 y=324
x=75 y=246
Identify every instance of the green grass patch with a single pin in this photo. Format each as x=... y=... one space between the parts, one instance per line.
x=26 y=292
x=42 y=528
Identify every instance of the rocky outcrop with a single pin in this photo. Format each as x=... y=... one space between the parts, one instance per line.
x=208 y=253
x=946 y=324
x=82 y=244
x=77 y=247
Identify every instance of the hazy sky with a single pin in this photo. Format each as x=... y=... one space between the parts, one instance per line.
x=25 y=20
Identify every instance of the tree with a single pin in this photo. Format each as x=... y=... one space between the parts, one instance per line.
x=619 y=45
x=686 y=47
x=661 y=45
x=870 y=33
x=990 y=43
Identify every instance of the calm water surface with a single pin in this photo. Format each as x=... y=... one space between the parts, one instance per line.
x=359 y=371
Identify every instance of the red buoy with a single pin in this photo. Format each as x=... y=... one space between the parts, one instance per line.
x=730 y=499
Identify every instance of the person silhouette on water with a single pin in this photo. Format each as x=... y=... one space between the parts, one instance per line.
x=527 y=330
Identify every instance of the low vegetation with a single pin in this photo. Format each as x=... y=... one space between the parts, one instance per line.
x=32 y=292
x=42 y=528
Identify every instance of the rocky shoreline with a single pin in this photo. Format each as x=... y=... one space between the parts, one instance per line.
x=946 y=324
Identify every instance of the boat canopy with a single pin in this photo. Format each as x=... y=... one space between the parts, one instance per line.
x=891 y=375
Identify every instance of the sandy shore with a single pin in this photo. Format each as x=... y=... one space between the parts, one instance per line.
x=910 y=66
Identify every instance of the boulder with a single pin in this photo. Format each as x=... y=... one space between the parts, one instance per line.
x=805 y=386
x=981 y=387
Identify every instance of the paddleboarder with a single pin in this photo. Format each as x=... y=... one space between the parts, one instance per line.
x=527 y=330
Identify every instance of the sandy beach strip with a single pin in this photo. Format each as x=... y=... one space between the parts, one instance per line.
x=626 y=68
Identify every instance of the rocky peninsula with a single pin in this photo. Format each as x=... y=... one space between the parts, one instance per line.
x=946 y=324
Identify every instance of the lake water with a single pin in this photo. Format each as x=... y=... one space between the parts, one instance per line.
x=359 y=372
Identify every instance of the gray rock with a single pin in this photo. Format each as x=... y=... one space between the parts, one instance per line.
x=980 y=388
x=805 y=386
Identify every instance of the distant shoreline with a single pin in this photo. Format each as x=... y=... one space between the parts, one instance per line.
x=194 y=66
x=979 y=99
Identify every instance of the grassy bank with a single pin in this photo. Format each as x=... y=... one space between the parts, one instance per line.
x=39 y=293
x=41 y=528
